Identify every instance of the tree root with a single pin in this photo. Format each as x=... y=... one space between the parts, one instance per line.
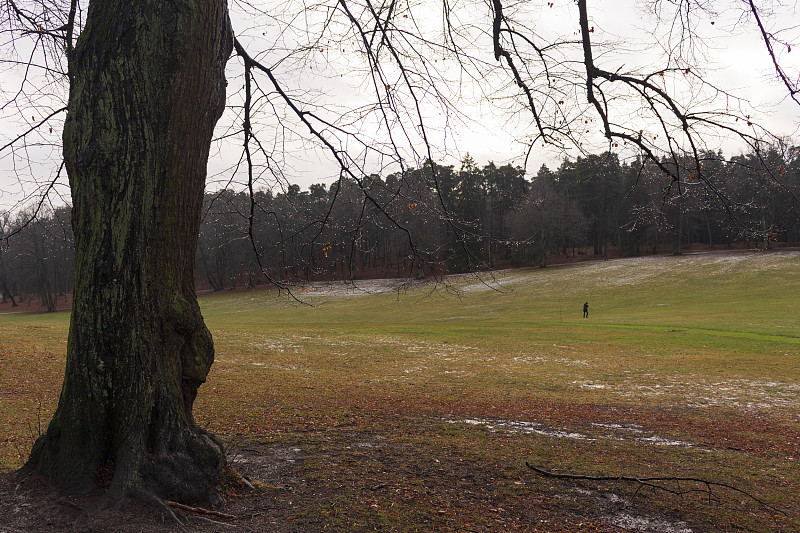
x=71 y=505
x=148 y=498
x=205 y=520
x=170 y=510
x=671 y=485
x=198 y=510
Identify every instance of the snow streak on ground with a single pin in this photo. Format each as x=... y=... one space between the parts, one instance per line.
x=348 y=289
x=647 y=525
x=631 y=432
x=742 y=394
x=636 y=270
x=421 y=359
x=522 y=427
x=455 y=283
x=616 y=272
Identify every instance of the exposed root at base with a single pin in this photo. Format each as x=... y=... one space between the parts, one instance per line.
x=205 y=520
x=148 y=498
x=198 y=510
x=172 y=511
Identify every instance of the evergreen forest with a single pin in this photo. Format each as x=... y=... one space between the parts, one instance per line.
x=440 y=219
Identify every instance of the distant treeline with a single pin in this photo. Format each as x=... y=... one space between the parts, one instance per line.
x=440 y=219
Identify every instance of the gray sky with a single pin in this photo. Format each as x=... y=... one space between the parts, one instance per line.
x=329 y=77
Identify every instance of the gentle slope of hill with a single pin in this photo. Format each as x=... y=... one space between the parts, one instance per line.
x=403 y=407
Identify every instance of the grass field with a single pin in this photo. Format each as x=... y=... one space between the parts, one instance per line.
x=414 y=408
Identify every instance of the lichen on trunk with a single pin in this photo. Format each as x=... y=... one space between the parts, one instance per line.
x=147 y=88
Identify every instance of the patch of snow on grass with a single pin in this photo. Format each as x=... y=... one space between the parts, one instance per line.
x=589 y=385
x=636 y=270
x=636 y=428
x=529 y=359
x=647 y=525
x=661 y=441
x=748 y=395
x=572 y=362
x=354 y=289
x=521 y=427
x=492 y=281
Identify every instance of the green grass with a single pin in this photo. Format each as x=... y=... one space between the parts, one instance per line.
x=679 y=321
x=703 y=350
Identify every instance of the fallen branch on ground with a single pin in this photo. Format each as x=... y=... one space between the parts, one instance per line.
x=147 y=497
x=198 y=510
x=661 y=483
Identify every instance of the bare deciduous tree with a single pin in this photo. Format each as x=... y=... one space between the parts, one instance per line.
x=146 y=87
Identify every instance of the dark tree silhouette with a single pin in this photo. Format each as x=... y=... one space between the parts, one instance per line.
x=147 y=87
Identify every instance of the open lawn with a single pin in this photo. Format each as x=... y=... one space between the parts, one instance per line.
x=414 y=408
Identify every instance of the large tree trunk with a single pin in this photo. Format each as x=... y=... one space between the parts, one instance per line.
x=147 y=88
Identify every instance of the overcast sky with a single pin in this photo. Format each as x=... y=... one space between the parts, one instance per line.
x=331 y=79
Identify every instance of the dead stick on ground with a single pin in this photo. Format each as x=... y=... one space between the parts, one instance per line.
x=656 y=483
x=198 y=510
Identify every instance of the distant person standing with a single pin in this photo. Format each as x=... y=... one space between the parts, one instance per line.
x=586 y=310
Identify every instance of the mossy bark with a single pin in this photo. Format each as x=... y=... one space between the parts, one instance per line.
x=147 y=88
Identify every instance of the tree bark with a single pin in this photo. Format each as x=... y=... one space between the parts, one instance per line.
x=147 y=87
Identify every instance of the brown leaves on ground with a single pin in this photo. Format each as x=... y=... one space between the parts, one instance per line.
x=351 y=469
